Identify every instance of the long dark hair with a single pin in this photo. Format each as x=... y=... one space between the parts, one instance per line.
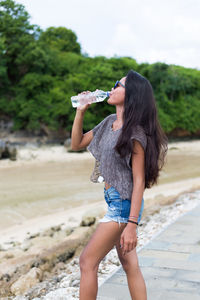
x=140 y=109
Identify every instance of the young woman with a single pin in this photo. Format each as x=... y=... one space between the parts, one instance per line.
x=129 y=148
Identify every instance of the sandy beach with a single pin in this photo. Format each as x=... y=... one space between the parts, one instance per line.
x=48 y=187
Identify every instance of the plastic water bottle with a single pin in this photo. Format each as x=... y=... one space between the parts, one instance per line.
x=92 y=97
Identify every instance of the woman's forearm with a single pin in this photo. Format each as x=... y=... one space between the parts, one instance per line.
x=136 y=199
x=77 y=130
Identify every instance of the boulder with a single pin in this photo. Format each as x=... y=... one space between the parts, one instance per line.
x=51 y=231
x=88 y=220
x=90 y=217
x=75 y=281
x=14 y=273
x=2 y=147
x=26 y=281
x=7 y=150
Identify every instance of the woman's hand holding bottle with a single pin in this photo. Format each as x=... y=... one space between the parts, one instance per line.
x=89 y=97
x=84 y=107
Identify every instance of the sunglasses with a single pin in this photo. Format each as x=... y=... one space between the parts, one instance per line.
x=117 y=83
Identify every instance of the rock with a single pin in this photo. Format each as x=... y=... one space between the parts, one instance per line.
x=39 y=262
x=67 y=143
x=50 y=232
x=20 y=298
x=56 y=228
x=67 y=254
x=45 y=267
x=40 y=289
x=87 y=221
x=59 y=294
x=26 y=281
x=5 y=277
x=2 y=147
x=26 y=245
x=34 y=235
x=16 y=244
x=69 y=230
x=50 y=261
x=12 y=152
x=59 y=267
x=7 y=150
x=66 y=249
x=89 y=218
x=75 y=281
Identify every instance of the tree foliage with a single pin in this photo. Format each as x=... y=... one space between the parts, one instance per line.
x=41 y=70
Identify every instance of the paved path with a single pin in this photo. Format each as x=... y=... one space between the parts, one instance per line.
x=170 y=264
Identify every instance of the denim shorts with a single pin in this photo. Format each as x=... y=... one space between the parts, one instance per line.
x=118 y=209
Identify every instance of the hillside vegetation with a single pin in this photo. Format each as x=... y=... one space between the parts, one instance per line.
x=40 y=70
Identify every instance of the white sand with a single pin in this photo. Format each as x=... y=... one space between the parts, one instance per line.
x=71 y=217
x=36 y=155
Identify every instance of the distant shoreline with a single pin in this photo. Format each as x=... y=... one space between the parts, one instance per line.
x=41 y=141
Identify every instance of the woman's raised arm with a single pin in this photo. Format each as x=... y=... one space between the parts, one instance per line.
x=78 y=139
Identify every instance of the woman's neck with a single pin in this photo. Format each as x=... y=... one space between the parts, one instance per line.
x=119 y=113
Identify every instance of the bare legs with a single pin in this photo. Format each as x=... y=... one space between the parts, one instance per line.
x=135 y=278
x=102 y=241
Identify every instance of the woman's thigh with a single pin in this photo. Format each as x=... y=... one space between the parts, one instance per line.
x=102 y=241
x=130 y=260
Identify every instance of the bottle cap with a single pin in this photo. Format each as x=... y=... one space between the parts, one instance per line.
x=108 y=94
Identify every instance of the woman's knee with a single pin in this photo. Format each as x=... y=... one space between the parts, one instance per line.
x=130 y=265
x=86 y=264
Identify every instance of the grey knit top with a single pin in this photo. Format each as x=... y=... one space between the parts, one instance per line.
x=109 y=166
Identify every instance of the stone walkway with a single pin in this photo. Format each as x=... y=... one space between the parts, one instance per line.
x=170 y=264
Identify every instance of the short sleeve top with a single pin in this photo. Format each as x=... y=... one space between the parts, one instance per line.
x=109 y=166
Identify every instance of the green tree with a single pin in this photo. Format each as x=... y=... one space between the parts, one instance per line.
x=41 y=70
x=61 y=38
x=19 y=38
x=3 y=68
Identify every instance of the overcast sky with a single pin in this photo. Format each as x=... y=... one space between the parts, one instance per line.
x=147 y=30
